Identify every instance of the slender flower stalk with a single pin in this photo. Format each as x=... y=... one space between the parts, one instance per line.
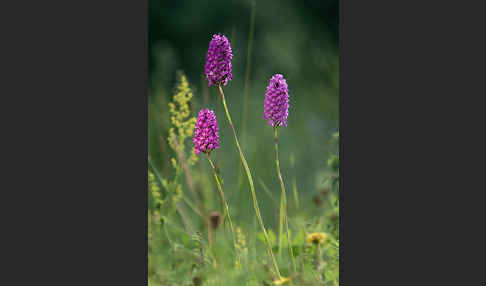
x=206 y=140
x=283 y=211
x=252 y=188
x=276 y=110
x=226 y=209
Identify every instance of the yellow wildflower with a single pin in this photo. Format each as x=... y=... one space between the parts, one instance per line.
x=241 y=244
x=281 y=281
x=316 y=238
x=154 y=188
x=182 y=123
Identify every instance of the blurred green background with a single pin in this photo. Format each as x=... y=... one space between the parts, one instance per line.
x=298 y=39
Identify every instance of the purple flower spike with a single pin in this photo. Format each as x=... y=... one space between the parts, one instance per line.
x=206 y=132
x=276 y=105
x=218 y=61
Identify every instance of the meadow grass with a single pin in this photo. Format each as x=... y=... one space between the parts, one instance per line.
x=185 y=250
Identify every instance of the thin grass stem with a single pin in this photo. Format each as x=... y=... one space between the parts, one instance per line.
x=320 y=262
x=296 y=192
x=247 y=72
x=252 y=188
x=265 y=188
x=283 y=206
x=245 y=88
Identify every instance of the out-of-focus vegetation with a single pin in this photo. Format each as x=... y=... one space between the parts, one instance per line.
x=298 y=39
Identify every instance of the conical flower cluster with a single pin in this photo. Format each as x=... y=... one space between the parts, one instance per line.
x=206 y=132
x=276 y=104
x=218 y=61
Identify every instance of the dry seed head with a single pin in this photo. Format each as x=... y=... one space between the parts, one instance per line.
x=214 y=220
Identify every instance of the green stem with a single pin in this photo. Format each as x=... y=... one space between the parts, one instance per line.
x=226 y=209
x=320 y=262
x=281 y=227
x=283 y=205
x=252 y=188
